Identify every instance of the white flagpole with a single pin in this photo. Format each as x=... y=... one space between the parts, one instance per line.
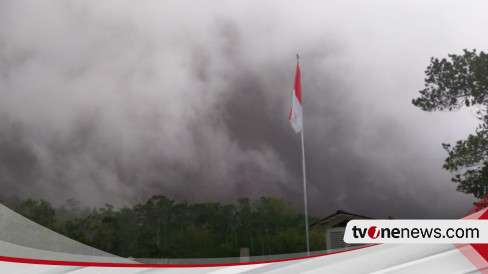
x=305 y=195
x=304 y=181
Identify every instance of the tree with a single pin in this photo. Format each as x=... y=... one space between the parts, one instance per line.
x=40 y=212
x=461 y=81
x=155 y=215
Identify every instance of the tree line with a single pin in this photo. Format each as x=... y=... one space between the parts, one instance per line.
x=163 y=228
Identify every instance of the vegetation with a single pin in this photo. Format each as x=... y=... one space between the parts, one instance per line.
x=462 y=81
x=162 y=228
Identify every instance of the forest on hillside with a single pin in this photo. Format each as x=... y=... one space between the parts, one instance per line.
x=163 y=228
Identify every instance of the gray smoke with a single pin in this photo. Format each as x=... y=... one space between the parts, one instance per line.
x=113 y=102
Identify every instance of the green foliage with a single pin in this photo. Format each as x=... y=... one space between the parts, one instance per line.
x=40 y=212
x=451 y=85
x=162 y=228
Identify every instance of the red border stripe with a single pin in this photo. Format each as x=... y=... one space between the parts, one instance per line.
x=98 y=264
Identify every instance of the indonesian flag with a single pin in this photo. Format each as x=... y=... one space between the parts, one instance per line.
x=296 y=106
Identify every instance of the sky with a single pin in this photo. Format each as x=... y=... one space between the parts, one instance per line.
x=115 y=101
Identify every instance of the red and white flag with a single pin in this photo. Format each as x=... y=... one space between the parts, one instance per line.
x=296 y=106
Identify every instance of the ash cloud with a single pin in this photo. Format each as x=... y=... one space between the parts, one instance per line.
x=115 y=102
